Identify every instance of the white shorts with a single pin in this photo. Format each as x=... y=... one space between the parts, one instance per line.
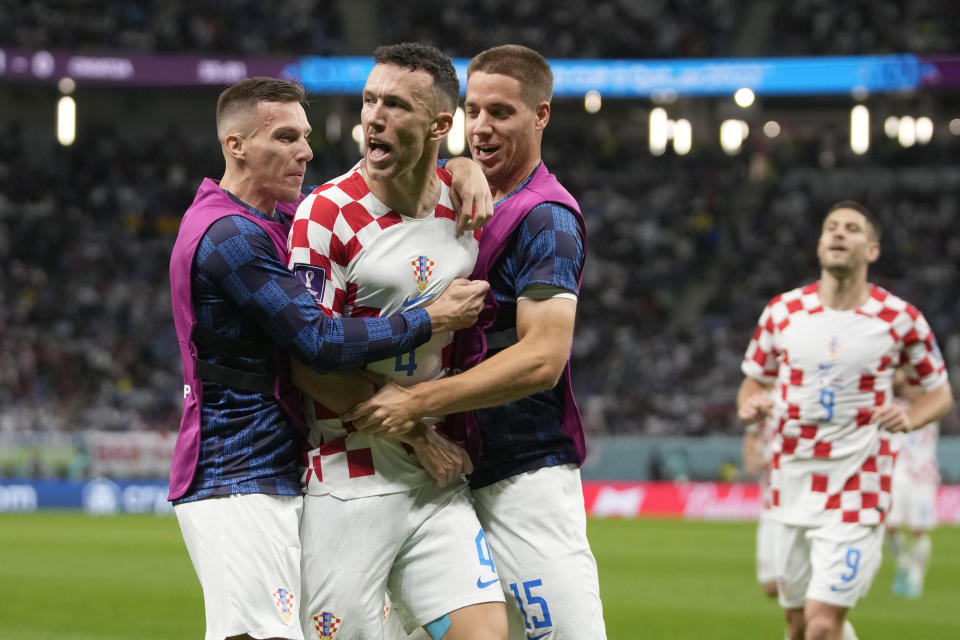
x=914 y=505
x=537 y=527
x=426 y=546
x=833 y=563
x=246 y=552
x=768 y=531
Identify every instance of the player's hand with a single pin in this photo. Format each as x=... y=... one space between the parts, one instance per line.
x=891 y=417
x=443 y=459
x=388 y=412
x=458 y=306
x=470 y=194
x=754 y=408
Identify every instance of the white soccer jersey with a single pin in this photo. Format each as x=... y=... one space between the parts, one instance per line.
x=360 y=258
x=830 y=370
x=769 y=433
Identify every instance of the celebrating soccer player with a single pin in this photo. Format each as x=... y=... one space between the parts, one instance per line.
x=526 y=434
x=379 y=239
x=239 y=312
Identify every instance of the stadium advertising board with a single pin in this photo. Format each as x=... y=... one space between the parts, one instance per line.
x=705 y=500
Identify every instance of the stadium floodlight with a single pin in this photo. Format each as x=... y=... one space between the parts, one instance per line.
x=907 y=131
x=771 y=128
x=66 y=85
x=732 y=134
x=66 y=121
x=744 y=97
x=682 y=136
x=456 y=139
x=592 y=101
x=357 y=134
x=954 y=126
x=924 y=129
x=859 y=129
x=658 y=131
x=891 y=126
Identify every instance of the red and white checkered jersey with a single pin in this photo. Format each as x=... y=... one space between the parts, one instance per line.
x=360 y=258
x=768 y=429
x=917 y=455
x=830 y=370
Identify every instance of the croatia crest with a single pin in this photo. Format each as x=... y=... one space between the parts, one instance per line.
x=284 y=602
x=422 y=270
x=326 y=625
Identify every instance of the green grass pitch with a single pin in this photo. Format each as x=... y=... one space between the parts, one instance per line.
x=67 y=576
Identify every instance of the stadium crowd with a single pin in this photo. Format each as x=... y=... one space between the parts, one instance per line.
x=573 y=29
x=684 y=251
x=683 y=254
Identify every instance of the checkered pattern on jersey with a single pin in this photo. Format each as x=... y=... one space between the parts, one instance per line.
x=242 y=290
x=863 y=494
x=331 y=228
x=547 y=248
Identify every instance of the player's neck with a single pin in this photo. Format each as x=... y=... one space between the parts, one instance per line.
x=844 y=292
x=244 y=189
x=512 y=182
x=414 y=194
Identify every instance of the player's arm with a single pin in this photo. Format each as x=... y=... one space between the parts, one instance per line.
x=443 y=459
x=470 y=193
x=925 y=407
x=534 y=363
x=551 y=256
x=264 y=288
x=753 y=400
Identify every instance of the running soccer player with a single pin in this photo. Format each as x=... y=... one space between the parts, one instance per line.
x=375 y=241
x=828 y=352
x=913 y=516
x=239 y=313
x=526 y=435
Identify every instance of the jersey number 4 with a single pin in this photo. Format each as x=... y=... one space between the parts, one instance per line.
x=410 y=365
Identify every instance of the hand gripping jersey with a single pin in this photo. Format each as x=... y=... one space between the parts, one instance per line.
x=360 y=258
x=830 y=370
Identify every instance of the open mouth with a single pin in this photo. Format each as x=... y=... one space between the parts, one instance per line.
x=481 y=151
x=377 y=150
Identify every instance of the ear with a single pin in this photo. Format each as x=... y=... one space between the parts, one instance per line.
x=873 y=252
x=441 y=125
x=542 y=112
x=233 y=145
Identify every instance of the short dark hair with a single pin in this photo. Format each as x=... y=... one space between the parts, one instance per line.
x=521 y=63
x=245 y=94
x=416 y=56
x=861 y=209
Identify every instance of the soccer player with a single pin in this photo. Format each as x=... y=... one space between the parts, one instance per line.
x=828 y=352
x=379 y=239
x=757 y=451
x=915 y=480
x=526 y=434
x=238 y=313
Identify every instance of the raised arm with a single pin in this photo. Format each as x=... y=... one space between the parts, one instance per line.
x=470 y=193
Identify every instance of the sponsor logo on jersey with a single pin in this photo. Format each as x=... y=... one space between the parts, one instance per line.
x=422 y=270
x=284 y=601
x=326 y=625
